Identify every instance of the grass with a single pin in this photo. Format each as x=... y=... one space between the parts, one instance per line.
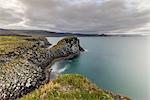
x=60 y=44
x=68 y=87
x=9 y=43
x=66 y=39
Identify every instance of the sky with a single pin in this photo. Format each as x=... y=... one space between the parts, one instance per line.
x=82 y=16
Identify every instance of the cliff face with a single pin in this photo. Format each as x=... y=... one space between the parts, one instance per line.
x=25 y=65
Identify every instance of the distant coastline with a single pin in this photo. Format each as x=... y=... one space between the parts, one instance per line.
x=15 y=32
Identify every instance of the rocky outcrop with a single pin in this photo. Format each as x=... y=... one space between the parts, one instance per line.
x=27 y=67
x=71 y=87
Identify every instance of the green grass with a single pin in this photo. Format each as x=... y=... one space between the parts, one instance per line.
x=65 y=39
x=9 y=43
x=62 y=42
x=68 y=87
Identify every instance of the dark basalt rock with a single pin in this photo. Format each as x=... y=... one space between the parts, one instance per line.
x=26 y=68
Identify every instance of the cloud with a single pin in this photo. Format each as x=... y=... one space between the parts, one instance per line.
x=7 y=18
x=11 y=12
x=86 y=16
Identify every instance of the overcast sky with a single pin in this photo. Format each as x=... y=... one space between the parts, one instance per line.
x=84 y=16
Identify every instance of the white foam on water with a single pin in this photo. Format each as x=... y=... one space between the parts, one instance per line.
x=85 y=50
x=56 y=70
x=63 y=69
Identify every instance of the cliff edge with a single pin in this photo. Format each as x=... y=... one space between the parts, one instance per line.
x=71 y=87
x=25 y=66
x=25 y=62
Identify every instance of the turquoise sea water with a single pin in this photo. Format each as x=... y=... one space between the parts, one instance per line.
x=119 y=64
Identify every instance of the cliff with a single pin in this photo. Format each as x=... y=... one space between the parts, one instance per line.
x=71 y=87
x=25 y=63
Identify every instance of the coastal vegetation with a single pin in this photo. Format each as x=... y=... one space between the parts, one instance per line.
x=25 y=63
x=25 y=69
x=68 y=87
x=9 y=43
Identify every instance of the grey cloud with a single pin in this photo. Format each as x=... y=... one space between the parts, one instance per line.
x=90 y=16
x=7 y=16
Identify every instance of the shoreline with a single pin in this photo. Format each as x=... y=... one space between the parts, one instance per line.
x=27 y=62
x=49 y=67
x=115 y=95
x=33 y=67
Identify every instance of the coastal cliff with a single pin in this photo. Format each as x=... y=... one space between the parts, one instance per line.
x=71 y=87
x=25 y=66
x=25 y=63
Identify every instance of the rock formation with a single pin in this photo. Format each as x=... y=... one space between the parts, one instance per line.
x=26 y=67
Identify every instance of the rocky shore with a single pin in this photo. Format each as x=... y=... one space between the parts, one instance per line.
x=25 y=65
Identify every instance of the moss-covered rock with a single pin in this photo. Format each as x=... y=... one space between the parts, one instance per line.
x=70 y=87
x=10 y=43
x=24 y=63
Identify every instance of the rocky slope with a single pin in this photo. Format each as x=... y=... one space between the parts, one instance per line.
x=25 y=63
x=71 y=87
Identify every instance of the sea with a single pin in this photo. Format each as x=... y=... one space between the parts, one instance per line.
x=119 y=64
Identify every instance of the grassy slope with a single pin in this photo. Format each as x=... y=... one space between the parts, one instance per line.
x=9 y=43
x=68 y=87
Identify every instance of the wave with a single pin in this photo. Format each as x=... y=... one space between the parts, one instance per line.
x=63 y=69
x=56 y=70
x=85 y=50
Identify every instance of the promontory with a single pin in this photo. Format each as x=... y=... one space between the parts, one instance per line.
x=25 y=66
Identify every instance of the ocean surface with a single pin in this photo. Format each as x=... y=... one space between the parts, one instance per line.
x=118 y=64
